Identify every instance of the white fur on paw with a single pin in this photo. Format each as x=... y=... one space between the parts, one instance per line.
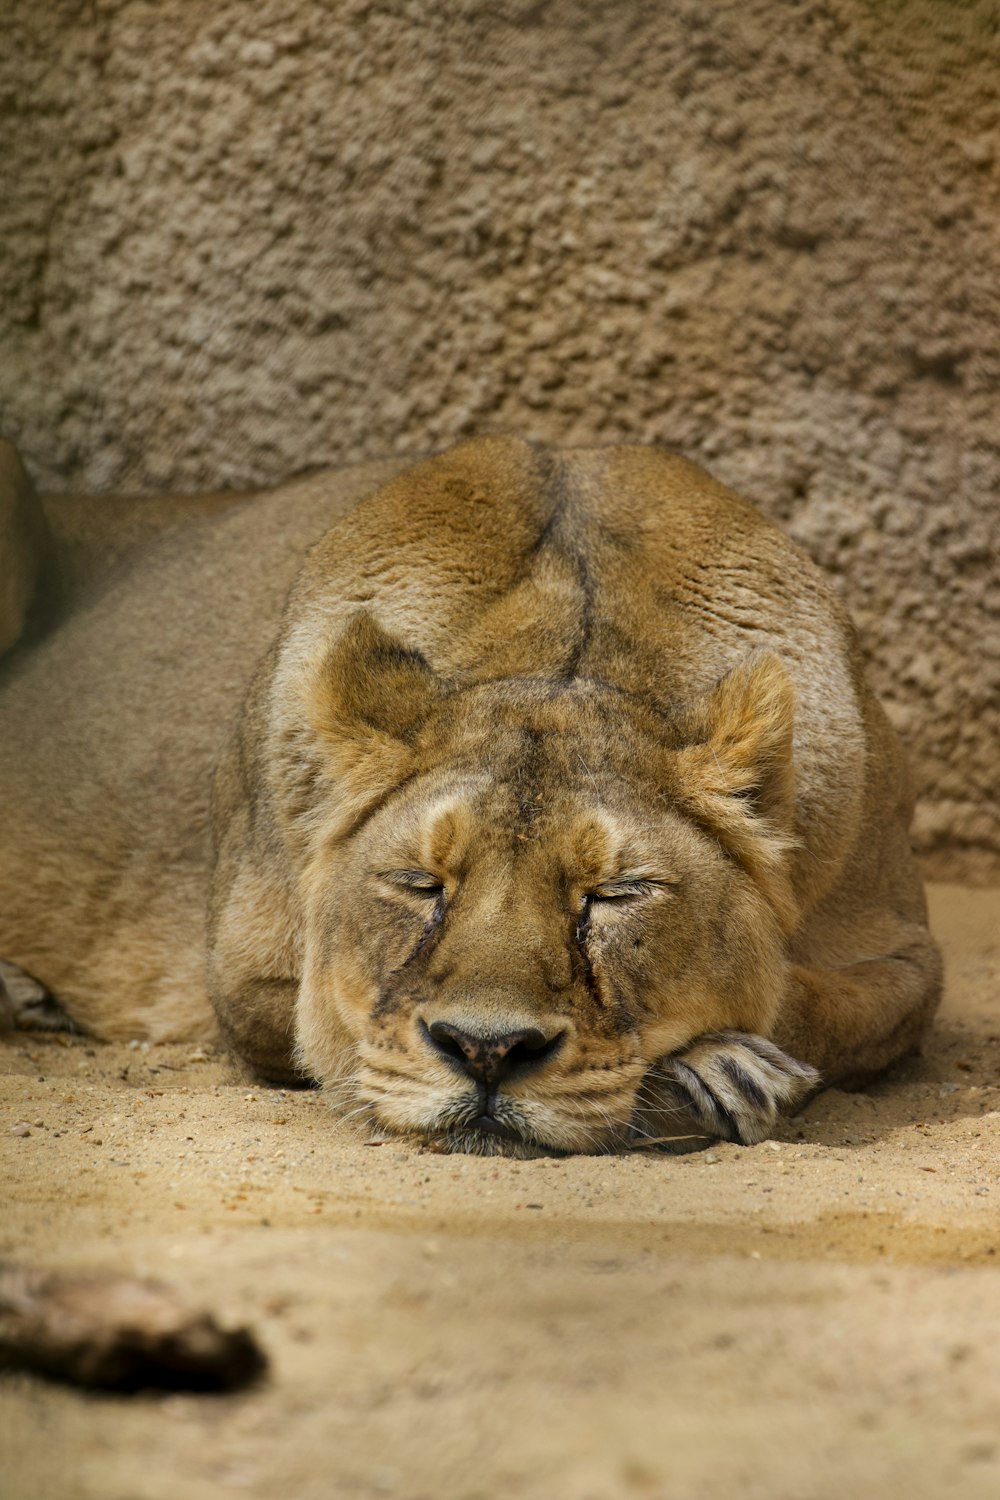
x=736 y=1084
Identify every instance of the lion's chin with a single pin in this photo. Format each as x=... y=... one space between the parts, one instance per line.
x=474 y=1138
x=510 y=1130
x=472 y=1142
x=466 y=1137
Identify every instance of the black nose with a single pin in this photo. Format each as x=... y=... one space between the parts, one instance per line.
x=489 y=1059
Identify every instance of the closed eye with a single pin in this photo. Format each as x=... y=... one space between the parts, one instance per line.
x=621 y=890
x=421 y=882
x=627 y=888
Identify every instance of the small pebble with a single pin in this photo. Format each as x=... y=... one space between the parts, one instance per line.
x=21 y=1130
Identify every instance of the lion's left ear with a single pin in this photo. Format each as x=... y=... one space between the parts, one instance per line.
x=734 y=770
x=366 y=701
x=371 y=684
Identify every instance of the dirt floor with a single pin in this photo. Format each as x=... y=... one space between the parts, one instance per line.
x=816 y=1316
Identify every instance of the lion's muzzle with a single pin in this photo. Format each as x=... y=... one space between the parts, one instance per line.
x=489 y=1060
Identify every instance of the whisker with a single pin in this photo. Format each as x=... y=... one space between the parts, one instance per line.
x=335 y=1095
x=362 y=1109
x=649 y=1142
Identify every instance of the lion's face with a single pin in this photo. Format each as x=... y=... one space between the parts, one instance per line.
x=517 y=930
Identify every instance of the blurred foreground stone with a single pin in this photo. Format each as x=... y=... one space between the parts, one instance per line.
x=118 y=1333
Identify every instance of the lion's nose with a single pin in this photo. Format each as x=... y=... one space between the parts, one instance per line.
x=488 y=1059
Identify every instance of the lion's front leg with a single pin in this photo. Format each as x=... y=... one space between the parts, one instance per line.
x=851 y=1020
x=257 y=1021
x=732 y=1085
x=838 y=1024
x=252 y=963
x=26 y=1005
x=254 y=957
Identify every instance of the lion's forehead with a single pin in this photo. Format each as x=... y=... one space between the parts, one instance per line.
x=518 y=713
x=526 y=827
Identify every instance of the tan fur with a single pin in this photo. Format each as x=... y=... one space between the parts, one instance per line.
x=24 y=546
x=570 y=746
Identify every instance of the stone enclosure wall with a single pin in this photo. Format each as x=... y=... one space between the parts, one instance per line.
x=238 y=241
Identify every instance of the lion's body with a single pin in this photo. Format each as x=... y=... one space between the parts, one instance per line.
x=110 y=728
x=579 y=604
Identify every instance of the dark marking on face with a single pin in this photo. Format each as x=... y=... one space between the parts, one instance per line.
x=615 y=1013
x=589 y=977
x=390 y=996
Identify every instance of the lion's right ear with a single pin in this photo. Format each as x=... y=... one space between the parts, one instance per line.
x=366 y=701
x=739 y=742
x=734 y=770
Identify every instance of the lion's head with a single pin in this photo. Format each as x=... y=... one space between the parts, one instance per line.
x=519 y=893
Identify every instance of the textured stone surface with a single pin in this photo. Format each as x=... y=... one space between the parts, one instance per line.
x=238 y=241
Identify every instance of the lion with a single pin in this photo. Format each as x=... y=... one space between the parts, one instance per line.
x=522 y=798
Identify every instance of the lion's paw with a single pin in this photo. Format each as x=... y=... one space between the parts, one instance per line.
x=735 y=1085
x=26 y=1005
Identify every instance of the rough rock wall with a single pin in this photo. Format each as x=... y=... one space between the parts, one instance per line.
x=243 y=240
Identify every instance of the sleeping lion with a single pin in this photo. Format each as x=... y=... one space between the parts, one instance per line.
x=523 y=798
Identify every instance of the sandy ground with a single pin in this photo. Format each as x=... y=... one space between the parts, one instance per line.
x=817 y=1316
